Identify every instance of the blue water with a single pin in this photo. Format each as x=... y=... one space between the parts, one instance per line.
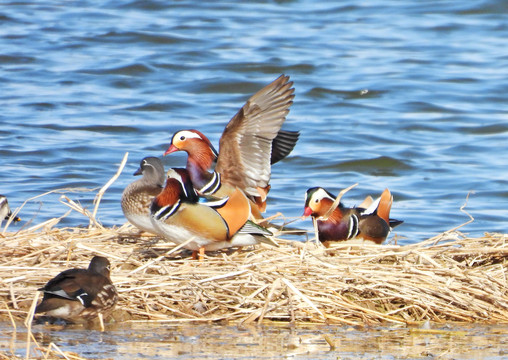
x=409 y=95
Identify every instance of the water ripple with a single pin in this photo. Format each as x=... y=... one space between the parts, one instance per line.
x=400 y=94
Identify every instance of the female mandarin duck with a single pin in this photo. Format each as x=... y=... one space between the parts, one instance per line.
x=251 y=142
x=137 y=196
x=78 y=295
x=5 y=210
x=179 y=217
x=372 y=223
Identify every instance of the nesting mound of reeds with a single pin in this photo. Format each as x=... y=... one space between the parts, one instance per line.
x=447 y=278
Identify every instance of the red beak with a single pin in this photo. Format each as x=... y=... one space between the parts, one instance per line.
x=171 y=149
x=307 y=212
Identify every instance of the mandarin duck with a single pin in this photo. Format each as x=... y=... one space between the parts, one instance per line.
x=78 y=295
x=251 y=142
x=137 y=196
x=368 y=223
x=5 y=210
x=179 y=216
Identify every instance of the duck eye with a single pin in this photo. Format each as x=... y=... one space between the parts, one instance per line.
x=316 y=201
x=182 y=138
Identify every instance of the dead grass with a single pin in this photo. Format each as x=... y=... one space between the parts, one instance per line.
x=447 y=278
x=450 y=277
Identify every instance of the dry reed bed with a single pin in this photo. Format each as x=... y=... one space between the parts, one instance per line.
x=446 y=278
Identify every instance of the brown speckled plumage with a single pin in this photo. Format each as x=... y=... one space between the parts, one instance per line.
x=137 y=196
x=78 y=295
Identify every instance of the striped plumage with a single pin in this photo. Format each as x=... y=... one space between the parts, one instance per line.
x=251 y=142
x=179 y=216
x=371 y=223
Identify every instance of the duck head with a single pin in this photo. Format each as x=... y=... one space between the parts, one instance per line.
x=152 y=169
x=199 y=149
x=317 y=202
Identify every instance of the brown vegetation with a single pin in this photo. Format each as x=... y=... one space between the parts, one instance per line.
x=450 y=277
x=446 y=278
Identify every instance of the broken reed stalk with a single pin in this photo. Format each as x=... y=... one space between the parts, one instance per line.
x=337 y=201
x=330 y=211
x=56 y=191
x=101 y=192
x=28 y=324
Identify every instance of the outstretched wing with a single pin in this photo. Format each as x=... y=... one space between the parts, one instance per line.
x=246 y=144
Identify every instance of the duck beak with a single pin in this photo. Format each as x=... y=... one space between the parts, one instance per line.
x=15 y=219
x=307 y=212
x=171 y=149
x=138 y=172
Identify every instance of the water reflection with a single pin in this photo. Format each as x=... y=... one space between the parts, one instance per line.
x=214 y=341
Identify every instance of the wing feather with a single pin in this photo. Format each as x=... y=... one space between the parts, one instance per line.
x=246 y=143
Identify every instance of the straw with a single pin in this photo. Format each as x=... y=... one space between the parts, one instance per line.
x=449 y=277
x=456 y=279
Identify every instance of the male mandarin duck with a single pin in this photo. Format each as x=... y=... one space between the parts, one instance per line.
x=78 y=295
x=5 y=210
x=372 y=223
x=137 y=196
x=251 y=142
x=178 y=215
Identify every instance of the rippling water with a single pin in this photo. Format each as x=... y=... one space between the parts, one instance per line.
x=400 y=94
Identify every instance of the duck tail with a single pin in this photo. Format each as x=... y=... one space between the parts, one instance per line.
x=385 y=205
